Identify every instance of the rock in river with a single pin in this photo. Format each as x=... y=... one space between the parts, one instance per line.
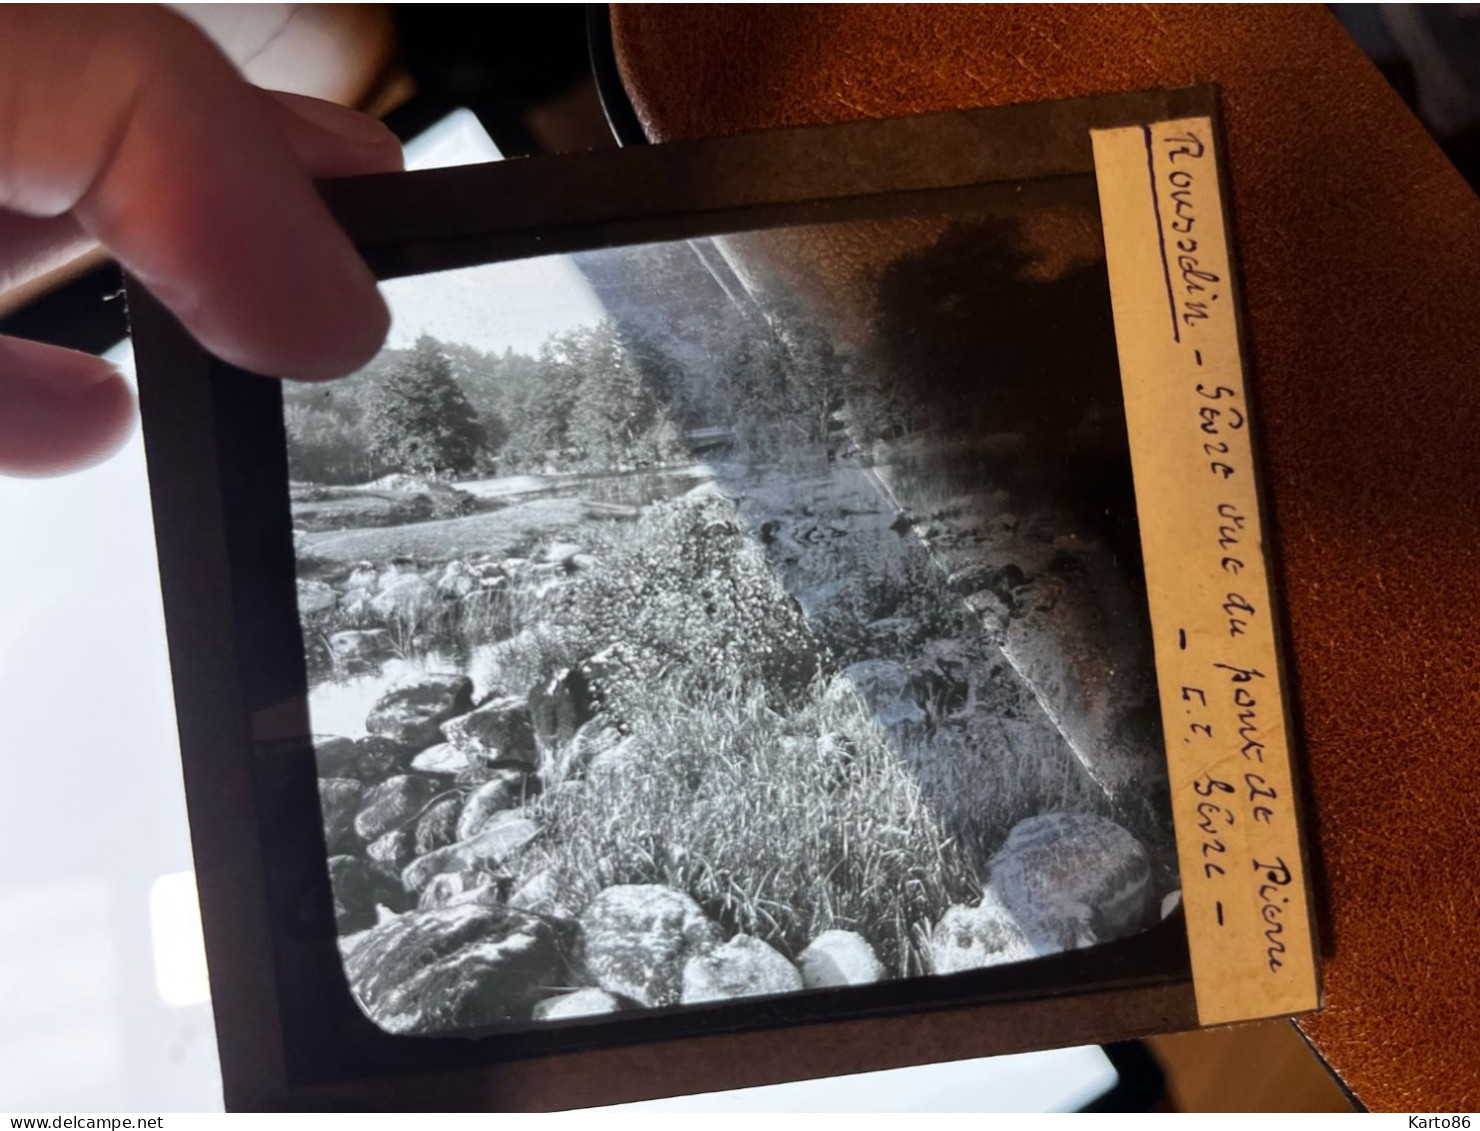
x=392 y=803
x=456 y=967
x=499 y=840
x=498 y=733
x=412 y=713
x=444 y=758
x=339 y=800
x=638 y=937
x=507 y=789
x=391 y=852
x=358 y=890
x=370 y=759
x=437 y=827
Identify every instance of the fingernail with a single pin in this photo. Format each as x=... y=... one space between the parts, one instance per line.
x=351 y=125
x=52 y=369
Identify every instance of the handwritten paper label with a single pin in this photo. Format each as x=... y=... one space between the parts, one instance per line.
x=1233 y=795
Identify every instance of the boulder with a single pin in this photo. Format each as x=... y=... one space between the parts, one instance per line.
x=339 y=801
x=561 y=706
x=449 y=889
x=968 y=938
x=361 y=579
x=541 y=894
x=1073 y=880
x=405 y=596
x=1069 y=641
x=839 y=958
x=508 y=789
x=498 y=841
x=316 y=600
x=370 y=759
x=437 y=826
x=444 y=758
x=358 y=889
x=499 y=733
x=392 y=803
x=454 y=968
x=637 y=939
x=457 y=580
x=583 y=1003
x=360 y=644
x=412 y=713
x=885 y=687
x=742 y=967
x=391 y=852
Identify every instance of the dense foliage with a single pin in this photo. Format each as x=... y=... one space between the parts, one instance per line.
x=419 y=420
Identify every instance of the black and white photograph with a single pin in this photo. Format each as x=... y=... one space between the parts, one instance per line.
x=728 y=618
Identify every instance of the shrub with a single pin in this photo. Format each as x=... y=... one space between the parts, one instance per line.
x=688 y=592
x=780 y=825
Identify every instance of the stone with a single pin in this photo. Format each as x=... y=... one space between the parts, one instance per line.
x=457 y=580
x=1170 y=903
x=742 y=967
x=367 y=760
x=839 y=958
x=508 y=789
x=499 y=733
x=1072 y=880
x=583 y=1003
x=408 y=597
x=391 y=852
x=453 y=968
x=498 y=841
x=560 y=552
x=437 y=826
x=393 y=803
x=358 y=889
x=541 y=894
x=449 y=889
x=362 y=578
x=316 y=600
x=969 y=938
x=339 y=801
x=561 y=706
x=637 y=938
x=885 y=687
x=412 y=713
x=360 y=644
x=1067 y=641
x=444 y=758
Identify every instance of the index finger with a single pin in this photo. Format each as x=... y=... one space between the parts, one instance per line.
x=132 y=121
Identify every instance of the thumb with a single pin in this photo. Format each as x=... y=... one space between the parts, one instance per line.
x=60 y=410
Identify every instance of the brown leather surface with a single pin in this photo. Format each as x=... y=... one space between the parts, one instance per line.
x=1360 y=248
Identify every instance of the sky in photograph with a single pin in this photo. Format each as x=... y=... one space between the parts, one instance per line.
x=489 y=307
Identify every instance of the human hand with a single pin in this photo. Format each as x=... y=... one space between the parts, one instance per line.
x=126 y=126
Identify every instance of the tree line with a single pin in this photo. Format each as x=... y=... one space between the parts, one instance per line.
x=598 y=398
